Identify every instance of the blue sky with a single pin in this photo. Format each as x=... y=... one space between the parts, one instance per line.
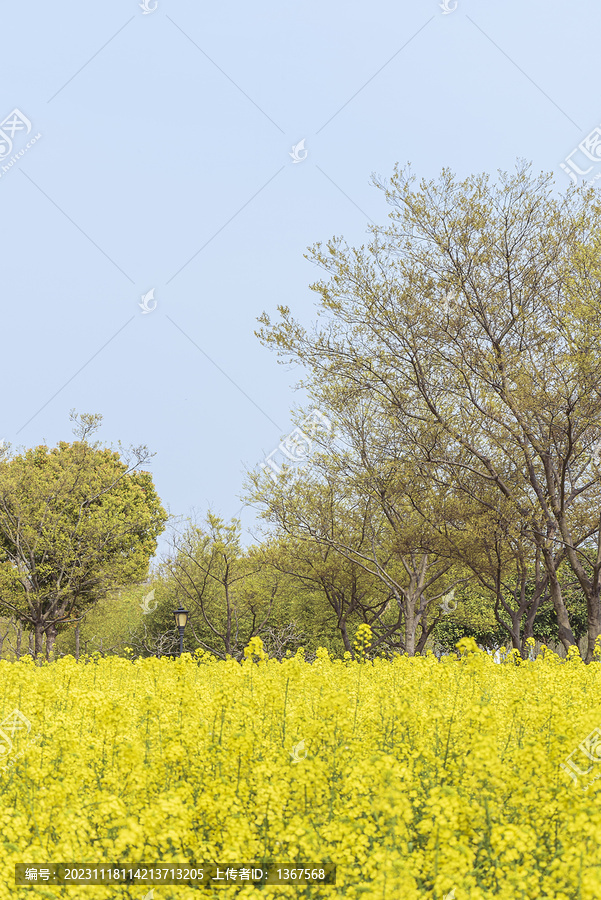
x=163 y=164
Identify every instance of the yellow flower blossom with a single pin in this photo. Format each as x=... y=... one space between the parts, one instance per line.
x=416 y=777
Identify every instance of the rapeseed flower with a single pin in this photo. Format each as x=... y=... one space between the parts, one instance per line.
x=416 y=777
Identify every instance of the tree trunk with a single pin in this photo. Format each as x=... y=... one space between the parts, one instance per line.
x=39 y=639
x=537 y=598
x=410 y=629
x=566 y=635
x=516 y=635
x=77 y=641
x=19 y=634
x=591 y=587
x=50 y=640
x=345 y=638
x=594 y=622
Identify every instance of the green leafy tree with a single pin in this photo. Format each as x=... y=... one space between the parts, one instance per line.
x=333 y=593
x=475 y=314
x=380 y=569
x=75 y=521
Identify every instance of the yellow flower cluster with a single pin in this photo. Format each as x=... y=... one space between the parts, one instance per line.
x=363 y=637
x=254 y=651
x=417 y=778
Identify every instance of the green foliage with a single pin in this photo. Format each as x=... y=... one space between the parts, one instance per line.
x=458 y=363
x=474 y=617
x=545 y=624
x=75 y=522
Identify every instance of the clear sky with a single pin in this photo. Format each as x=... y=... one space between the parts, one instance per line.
x=163 y=164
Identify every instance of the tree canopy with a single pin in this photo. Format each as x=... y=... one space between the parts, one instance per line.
x=75 y=522
x=472 y=322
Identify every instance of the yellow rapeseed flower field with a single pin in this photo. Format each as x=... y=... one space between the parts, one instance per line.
x=417 y=778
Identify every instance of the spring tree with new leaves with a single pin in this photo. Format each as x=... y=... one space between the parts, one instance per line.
x=474 y=315
x=76 y=521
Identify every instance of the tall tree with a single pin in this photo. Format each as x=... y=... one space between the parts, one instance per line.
x=208 y=570
x=75 y=522
x=360 y=520
x=352 y=595
x=473 y=312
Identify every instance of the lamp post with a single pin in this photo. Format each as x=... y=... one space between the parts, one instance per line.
x=181 y=617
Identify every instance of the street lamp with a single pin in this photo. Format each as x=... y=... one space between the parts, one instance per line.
x=181 y=617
